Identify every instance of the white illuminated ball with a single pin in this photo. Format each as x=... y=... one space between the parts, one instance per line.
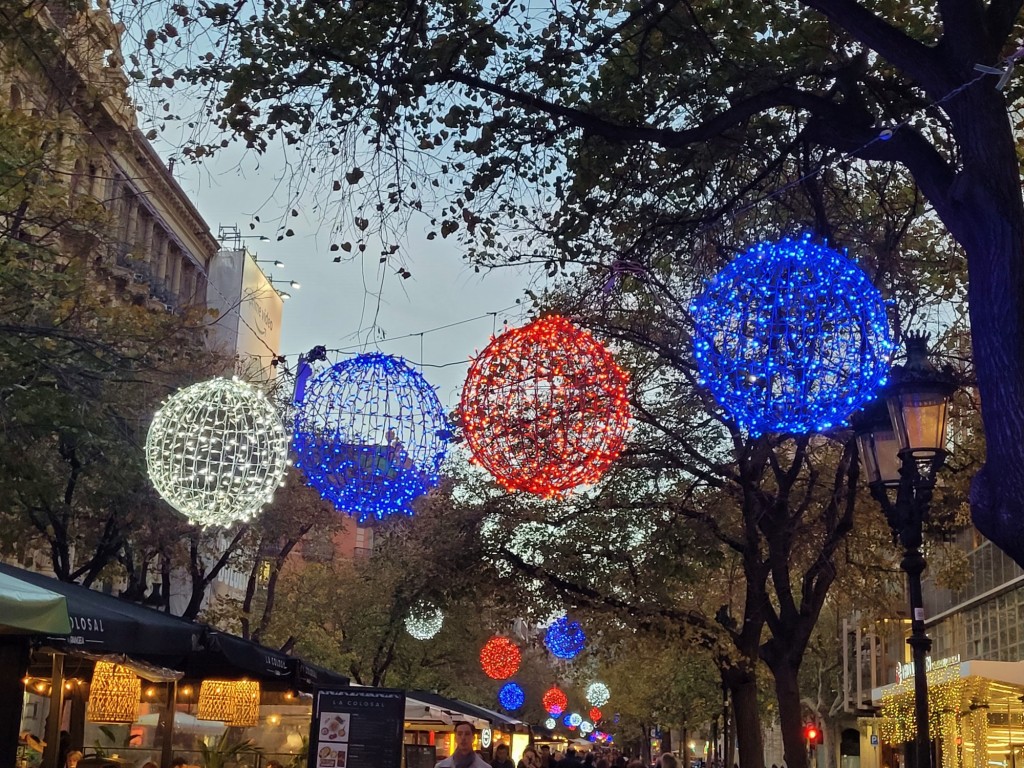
x=598 y=694
x=424 y=621
x=216 y=451
x=586 y=726
x=550 y=724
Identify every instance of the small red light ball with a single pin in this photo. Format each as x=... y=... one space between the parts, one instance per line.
x=500 y=658
x=595 y=715
x=544 y=408
x=555 y=701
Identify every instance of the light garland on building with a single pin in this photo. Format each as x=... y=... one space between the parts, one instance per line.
x=979 y=736
x=555 y=701
x=898 y=722
x=597 y=694
x=791 y=337
x=565 y=638
x=424 y=621
x=544 y=408
x=500 y=658
x=114 y=694
x=216 y=451
x=370 y=435
x=511 y=696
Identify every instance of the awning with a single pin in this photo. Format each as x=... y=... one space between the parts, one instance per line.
x=1006 y=674
x=102 y=624
x=467 y=711
x=310 y=677
x=230 y=657
x=25 y=607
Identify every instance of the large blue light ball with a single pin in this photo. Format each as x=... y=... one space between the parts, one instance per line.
x=370 y=435
x=511 y=696
x=565 y=638
x=791 y=337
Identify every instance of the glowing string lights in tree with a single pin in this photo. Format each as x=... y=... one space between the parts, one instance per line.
x=555 y=701
x=791 y=337
x=544 y=408
x=370 y=435
x=424 y=621
x=216 y=451
x=511 y=696
x=565 y=638
x=500 y=658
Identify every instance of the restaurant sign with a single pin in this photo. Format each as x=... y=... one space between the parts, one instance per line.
x=906 y=671
x=357 y=728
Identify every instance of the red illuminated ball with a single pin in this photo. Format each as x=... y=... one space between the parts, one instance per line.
x=544 y=408
x=595 y=715
x=500 y=658
x=555 y=701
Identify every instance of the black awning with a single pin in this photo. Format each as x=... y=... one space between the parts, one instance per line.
x=231 y=657
x=310 y=677
x=104 y=624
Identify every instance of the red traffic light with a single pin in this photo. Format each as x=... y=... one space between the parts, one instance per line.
x=812 y=734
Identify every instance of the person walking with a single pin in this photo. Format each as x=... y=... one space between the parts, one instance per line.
x=501 y=758
x=463 y=756
x=530 y=759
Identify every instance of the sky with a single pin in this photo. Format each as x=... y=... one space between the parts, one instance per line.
x=336 y=305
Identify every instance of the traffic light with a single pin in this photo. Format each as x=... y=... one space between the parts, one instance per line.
x=812 y=734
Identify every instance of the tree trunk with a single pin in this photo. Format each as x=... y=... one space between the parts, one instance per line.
x=791 y=716
x=742 y=686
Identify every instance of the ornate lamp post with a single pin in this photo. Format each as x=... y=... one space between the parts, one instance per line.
x=902 y=452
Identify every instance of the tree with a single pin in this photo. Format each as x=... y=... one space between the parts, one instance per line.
x=502 y=125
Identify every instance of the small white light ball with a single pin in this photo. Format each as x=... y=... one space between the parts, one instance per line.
x=598 y=694
x=424 y=621
x=550 y=724
x=586 y=726
x=216 y=451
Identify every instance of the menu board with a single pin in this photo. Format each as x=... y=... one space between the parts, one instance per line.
x=357 y=728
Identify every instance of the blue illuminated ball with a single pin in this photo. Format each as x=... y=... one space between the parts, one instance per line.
x=791 y=337
x=511 y=696
x=567 y=721
x=565 y=639
x=370 y=435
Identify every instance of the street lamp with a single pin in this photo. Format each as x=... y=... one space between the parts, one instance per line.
x=902 y=451
x=276 y=262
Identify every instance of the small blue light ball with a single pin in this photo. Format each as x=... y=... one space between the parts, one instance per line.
x=565 y=638
x=791 y=337
x=567 y=721
x=511 y=696
x=370 y=435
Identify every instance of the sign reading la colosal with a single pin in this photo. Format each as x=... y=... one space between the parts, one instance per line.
x=357 y=728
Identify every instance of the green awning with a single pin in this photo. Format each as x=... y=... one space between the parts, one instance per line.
x=25 y=607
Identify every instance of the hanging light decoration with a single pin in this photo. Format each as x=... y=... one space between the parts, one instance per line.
x=597 y=693
x=791 y=337
x=216 y=451
x=424 y=620
x=544 y=408
x=550 y=724
x=370 y=435
x=567 y=721
x=247 y=704
x=565 y=638
x=217 y=700
x=554 y=700
x=511 y=696
x=575 y=719
x=114 y=694
x=595 y=714
x=586 y=726
x=500 y=658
